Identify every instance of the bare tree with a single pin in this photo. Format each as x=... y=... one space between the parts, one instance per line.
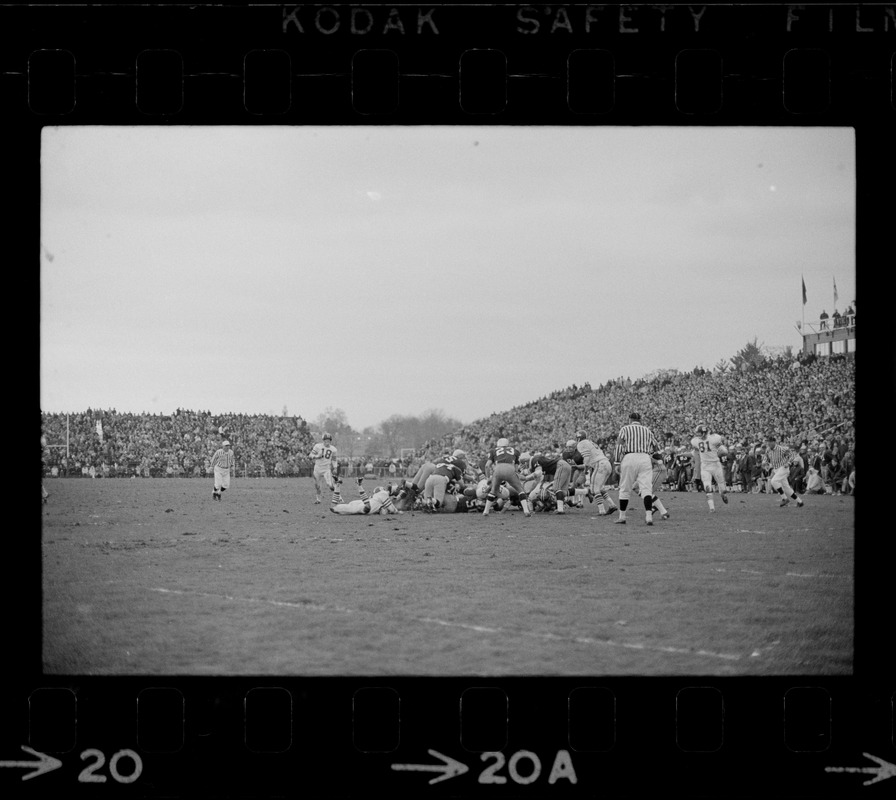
x=750 y=356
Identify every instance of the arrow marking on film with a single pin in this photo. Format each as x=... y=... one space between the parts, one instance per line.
x=451 y=768
x=45 y=764
x=884 y=771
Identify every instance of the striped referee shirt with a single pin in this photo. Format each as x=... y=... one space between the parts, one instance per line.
x=224 y=459
x=635 y=438
x=780 y=456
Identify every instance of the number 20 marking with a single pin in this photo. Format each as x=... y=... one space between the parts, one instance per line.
x=87 y=774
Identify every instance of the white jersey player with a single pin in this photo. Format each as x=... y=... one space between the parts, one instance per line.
x=380 y=502
x=326 y=469
x=600 y=470
x=708 y=446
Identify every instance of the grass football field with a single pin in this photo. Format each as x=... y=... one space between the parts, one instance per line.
x=153 y=577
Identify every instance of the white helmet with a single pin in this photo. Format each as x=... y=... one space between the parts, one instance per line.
x=458 y=454
x=502 y=442
x=571 y=443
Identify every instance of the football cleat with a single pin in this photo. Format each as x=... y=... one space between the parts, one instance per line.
x=650 y=522
x=784 y=502
x=620 y=522
x=799 y=502
x=725 y=497
x=666 y=515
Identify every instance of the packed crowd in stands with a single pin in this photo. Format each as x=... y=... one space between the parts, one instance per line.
x=808 y=403
x=179 y=445
x=182 y=445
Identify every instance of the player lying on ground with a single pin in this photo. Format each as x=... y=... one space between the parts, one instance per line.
x=380 y=502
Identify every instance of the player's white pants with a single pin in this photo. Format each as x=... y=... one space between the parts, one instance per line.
x=780 y=481
x=600 y=474
x=635 y=468
x=354 y=507
x=323 y=476
x=222 y=478
x=710 y=470
x=505 y=472
x=434 y=488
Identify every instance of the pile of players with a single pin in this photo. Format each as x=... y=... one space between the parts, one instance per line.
x=507 y=478
x=548 y=482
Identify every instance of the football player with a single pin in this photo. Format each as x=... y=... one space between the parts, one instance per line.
x=707 y=445
x=550 y=468
x=326 y=469
x=448 y=468
x=502 y=462
x=380 y=502
x=596 y=460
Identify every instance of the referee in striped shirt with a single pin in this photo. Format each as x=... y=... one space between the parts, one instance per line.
x=779 y=459
x=634 y=446
x=222 y=462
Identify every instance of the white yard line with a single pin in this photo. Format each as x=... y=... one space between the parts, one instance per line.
x=466 y=626
x=786 y=574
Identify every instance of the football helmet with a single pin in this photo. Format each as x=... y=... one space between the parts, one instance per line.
x=327 y=437
x=458 y=454
x=571 y=443
x=379 y=489
x=701 y=429
x=502 y=442
x=581 y=435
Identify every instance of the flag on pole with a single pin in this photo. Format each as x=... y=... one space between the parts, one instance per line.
x=835 y=293
x=99 y=430
x=804 y=290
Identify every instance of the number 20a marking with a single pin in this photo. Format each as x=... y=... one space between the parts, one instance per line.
x=87 y=774
x=562 y=768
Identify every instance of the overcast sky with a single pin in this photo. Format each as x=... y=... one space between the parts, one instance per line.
x=391 y=270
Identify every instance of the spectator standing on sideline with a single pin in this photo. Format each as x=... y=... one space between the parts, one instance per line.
x=223 y=461
x=634 y=447
x=798 y=471
x=682 y=466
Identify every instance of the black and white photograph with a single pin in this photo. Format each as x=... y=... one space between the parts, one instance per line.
x=426 y=400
